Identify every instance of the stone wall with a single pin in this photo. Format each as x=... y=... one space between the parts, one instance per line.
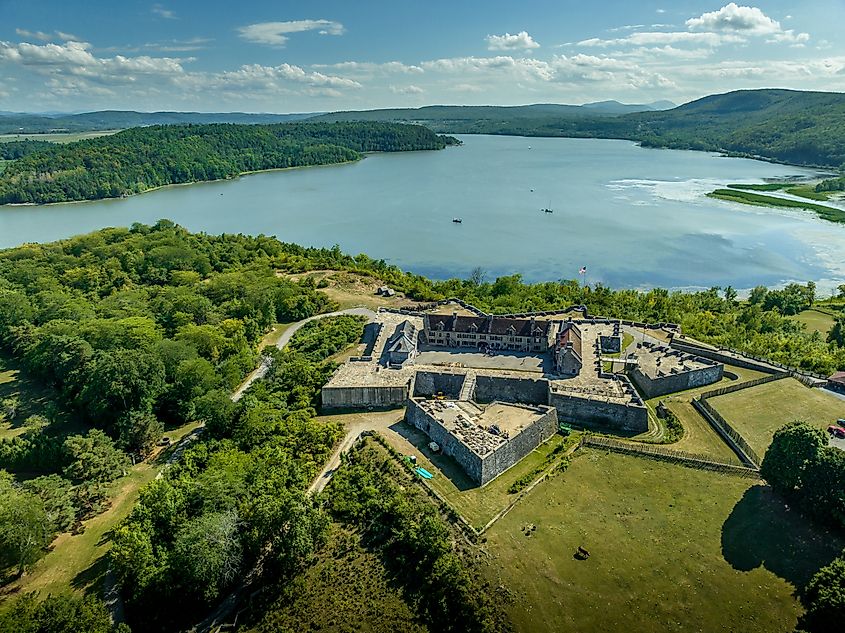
x=586 y=411
x=483 y=470
x=449 y=444
x=519 y=446
x=363 y=397
x=506 y=389
x=430 y=383
x=671 y=383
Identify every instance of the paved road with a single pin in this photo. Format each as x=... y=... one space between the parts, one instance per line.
x=284 y=339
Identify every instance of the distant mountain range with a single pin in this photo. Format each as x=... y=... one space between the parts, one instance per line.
x=790 y=126
x=15 y=122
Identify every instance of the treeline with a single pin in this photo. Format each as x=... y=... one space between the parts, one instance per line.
x=139 y=159
x=415 y=544
x=810 y=474
x=234 y=507
x=134 y=330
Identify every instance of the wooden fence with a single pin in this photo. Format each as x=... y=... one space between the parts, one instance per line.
x=661 y=453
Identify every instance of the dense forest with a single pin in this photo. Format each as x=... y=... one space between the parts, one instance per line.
x=801 y=128
x=139 y=159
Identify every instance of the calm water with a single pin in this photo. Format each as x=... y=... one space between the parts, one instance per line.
x=635 y=217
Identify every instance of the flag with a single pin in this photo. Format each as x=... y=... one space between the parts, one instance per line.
x=582 y=270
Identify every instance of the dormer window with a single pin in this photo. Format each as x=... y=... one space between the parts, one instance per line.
x=473 y=327
x=439 y=326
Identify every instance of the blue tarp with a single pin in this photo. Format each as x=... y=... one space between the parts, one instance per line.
x=422 y=472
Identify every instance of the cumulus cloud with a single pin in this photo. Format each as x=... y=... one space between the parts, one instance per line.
x=276 y=33
x=373 y=68
x=733 y=18
x=507 y=42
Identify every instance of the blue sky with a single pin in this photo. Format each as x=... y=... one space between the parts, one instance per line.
x=281 y=56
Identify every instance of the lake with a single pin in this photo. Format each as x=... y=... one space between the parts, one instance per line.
x=634 y=217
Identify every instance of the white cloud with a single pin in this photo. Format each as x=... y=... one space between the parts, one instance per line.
x=372 y=68
x=161 y=12
x=276 y=33
x=407 y=90
x=508 y=42
x=47 y=37
x=733 y=18
x=660 y=38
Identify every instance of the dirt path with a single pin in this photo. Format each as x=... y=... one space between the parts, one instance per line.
x=356 y=424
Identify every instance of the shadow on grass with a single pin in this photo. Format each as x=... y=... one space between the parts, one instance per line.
x=762 y=531
x=448 y=466
x=91 y=580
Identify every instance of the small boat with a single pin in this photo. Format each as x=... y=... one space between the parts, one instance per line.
x=532 y=191
x=457 y=220
x=548 y=210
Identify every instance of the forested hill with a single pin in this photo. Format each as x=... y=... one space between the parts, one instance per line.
x=801 y=128
x=139 y=159
x=22 y=123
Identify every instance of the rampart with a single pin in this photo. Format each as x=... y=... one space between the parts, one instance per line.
x=508 y=389
x=508 y=451
x=379 y=397
x=627 y=416
x=431 y=383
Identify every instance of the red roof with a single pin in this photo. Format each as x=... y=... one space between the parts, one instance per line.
x=838 y=377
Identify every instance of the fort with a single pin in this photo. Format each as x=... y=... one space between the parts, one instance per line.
x=489 y=389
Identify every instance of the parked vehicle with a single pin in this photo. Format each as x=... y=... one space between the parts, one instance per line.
x=836 y=431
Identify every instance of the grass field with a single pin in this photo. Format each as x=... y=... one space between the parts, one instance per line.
x=814 y=320
x=671 y=549
x=273 y=336
x=59 y=137
x=831 y=214
x=345 y=591
x=758 y=412
x=477 y=505
x=801 y=190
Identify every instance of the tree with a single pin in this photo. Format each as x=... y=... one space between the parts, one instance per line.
x=58 y=614
x=217 y=410
x=825 y=599
x=133 y=558
x=122 y=380
x=795 y=446
x=837 y=332
x=208 y=553
x=140 y=432
x=94 y=457
x=24 y=526
x=57 y=496
x=10 y=406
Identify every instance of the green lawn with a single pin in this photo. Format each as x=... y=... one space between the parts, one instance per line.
x=814 y=320
x=831 y=214
x=273 y=336
x=758 y=412
x=477 y=505
x=671 y=549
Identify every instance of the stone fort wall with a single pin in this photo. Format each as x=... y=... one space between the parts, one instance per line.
x=514 y=390
x=671 y=383
x=586 y=411
x=363 y=397
x=483 y=470
x=430 y=383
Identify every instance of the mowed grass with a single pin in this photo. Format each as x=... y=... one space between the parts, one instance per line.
x=758 y=412
x=346 y=590
x=477 y=505
x=671 y=549
x=814 y=320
